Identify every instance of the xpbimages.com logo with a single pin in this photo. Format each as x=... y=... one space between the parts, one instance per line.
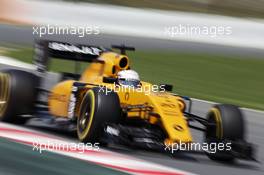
x=146 y=89
x=197 y=31
x=206 y=147
x=80 y=31
x=61 y=146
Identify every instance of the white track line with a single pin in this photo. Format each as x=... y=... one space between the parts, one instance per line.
x=13 y=62
x=102 y=157
x=212 y=103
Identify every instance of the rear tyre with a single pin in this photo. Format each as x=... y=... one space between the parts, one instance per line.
x=97 y=108
x=228 y=125
x=17 y=94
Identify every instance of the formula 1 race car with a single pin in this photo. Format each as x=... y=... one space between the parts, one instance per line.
x=108 y=103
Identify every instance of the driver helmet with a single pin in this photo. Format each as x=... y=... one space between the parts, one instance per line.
x=128 y=78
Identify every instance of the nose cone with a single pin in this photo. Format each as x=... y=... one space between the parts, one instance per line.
x=172 y=118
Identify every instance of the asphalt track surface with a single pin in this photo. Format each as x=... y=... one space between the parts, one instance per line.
x=29 y=162
x=196 y=163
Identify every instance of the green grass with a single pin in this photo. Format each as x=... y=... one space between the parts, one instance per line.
x=25 y=54
x=222 y=79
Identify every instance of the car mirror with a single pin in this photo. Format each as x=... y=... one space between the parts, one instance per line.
x=109 y=80
x=166 y=87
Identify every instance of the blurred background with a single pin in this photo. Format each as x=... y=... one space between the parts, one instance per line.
x=242 y=8
x=210 y=50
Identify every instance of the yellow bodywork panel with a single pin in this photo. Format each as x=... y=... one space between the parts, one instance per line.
x=164 y=109
x=108 y=65
x=59 y=99
x=168 y=107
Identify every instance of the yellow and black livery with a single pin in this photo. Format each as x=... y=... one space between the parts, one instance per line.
x=103 y=113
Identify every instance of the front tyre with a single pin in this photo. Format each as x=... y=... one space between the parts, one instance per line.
x=97 y=108
x=227 y=124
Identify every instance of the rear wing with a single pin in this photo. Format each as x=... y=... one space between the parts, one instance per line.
x=44 y=50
